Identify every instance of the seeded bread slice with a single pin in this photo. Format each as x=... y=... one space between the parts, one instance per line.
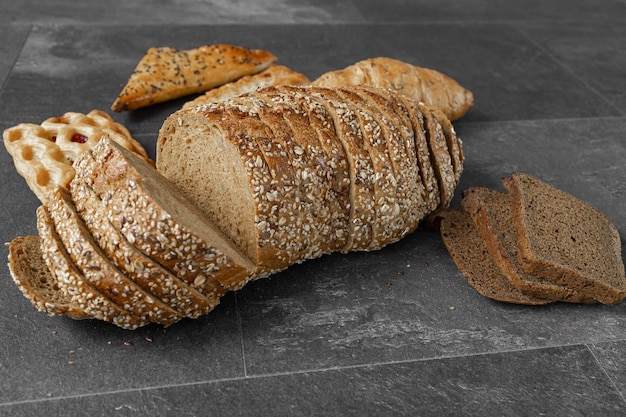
x=33 y=277
x=565 y=240
x=155 y=217
x=95 y=266
x=469 y=252
x=310 y=119
x=490 y=211
x=72 y=282
x=362 y=200
x=144 y=271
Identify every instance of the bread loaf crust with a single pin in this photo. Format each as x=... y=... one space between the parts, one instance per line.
x=213 y=130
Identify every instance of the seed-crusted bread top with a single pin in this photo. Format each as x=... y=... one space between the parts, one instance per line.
x=33 y=277
x=74 y=284
x=490 y=211
x=154 y=216
x=238 y=145
x=144 y=271
x=470 y=254
x=97 y=268
x=566 y=240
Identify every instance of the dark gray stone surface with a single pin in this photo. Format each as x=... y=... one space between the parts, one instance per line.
x=393 y=332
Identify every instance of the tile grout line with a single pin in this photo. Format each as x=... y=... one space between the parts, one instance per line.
x=605 y=372
x=289 y=373
x=241 y=341
x=17 y=56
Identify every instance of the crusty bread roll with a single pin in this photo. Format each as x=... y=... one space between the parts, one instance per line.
x=263 y=180
x=417 y=83
x=166 y=73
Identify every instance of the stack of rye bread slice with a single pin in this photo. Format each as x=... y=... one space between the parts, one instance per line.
x=534 y=245
x=242 y=189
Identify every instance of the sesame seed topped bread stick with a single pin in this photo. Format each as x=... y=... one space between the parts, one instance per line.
x=416 y=83
x=166 y=73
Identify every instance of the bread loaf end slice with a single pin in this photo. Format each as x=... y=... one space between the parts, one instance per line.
x=566 y=240
x=30 y=272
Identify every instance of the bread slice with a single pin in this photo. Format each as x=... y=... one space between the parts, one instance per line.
x=156 y=218
x=490 y=211
x=72 y=282
x=470 y=254
x=144 y=271
x=566 y=240
x=166 y=73
x=33 y=277
x=96 y=267
x=274 y=75
x=362 y=195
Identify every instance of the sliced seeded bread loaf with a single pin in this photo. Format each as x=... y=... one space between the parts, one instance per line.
x=97 y=268
x=565 y=240
x=74 y=284
x=156 y=218
x=490 y=211
x=470 y=254
x=144 y=271
x=240 y=183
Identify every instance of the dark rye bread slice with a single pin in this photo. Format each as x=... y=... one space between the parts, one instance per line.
x=144 y=271
x=72 y=282
x=362 y=201
x=154 y=216
x=96 y=267
x=490 y=211
x=470 y=254
x=566 y=240
x=32 y=276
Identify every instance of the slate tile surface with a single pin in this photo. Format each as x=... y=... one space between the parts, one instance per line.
x=393 y=332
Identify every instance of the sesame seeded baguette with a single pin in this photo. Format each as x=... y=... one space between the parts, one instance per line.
x=490 y=211
x=144 y=271
x=32 y=276
x=97 y=268
x=470 y=254
x=566 y=240
x=349 y=132
x=155 y=217
x=72 y=282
